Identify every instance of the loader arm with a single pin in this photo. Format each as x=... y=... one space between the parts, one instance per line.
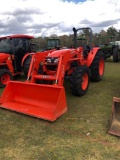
x=36 y=61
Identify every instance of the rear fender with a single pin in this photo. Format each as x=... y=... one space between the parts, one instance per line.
x=4 y=57
x=6 y=60
x=91 y=55
x=25 y=56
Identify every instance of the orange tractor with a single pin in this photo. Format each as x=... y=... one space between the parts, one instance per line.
x=43 y=94
x=15 y=55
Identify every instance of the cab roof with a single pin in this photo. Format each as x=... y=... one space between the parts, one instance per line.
x=18 y=36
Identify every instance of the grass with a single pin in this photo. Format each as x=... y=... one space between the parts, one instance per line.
x=79 y=134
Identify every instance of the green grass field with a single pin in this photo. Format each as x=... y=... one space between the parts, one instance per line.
x=79 y=134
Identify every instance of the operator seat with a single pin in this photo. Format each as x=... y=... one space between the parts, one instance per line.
x=86 y=50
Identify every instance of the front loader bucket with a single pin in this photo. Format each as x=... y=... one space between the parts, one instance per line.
x=42 y=101
x=115 y=122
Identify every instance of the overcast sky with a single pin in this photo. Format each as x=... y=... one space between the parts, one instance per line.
x=47 y=17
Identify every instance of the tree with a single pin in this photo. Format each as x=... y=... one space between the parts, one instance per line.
x=64 y=40
x=41 y=42
x=67 y=40
x=103 y=33
x=111 y=31
x=118 y=36
x=96 y=39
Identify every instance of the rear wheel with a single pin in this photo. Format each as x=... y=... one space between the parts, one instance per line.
x=97 y=67
x=5 y=77
x=116 y=54
x=79 y=81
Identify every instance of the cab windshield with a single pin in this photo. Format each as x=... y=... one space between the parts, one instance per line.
x=53 y=43
x=6 y=46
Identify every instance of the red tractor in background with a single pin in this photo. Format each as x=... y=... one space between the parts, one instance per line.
x=15 y=51
x=43 y=94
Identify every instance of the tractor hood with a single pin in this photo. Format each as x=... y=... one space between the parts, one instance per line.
x=3 y=57
x=57 y=53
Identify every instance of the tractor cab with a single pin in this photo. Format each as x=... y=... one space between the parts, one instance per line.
x=84 y=45
x=15 y=51
x=14 y=47
x=52 y=43
x=83 y=38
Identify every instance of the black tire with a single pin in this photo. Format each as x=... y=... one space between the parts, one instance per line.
x=97 y=67
x=5 y=77
x=77 y=81
x=116 y=54
x=26 y=65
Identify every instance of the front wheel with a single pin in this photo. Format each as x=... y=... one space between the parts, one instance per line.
x=79 y=80
x=5 y=77
x=97 y=67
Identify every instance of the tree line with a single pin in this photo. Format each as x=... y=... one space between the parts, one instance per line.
x=112 y=34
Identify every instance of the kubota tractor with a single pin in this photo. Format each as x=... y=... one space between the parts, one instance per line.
x=15 y=55
x=43 y=94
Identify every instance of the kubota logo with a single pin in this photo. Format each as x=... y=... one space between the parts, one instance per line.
x=45 y=76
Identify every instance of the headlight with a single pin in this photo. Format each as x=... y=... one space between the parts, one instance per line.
x=52 y=60
x=48 y=60
x=56 y=60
